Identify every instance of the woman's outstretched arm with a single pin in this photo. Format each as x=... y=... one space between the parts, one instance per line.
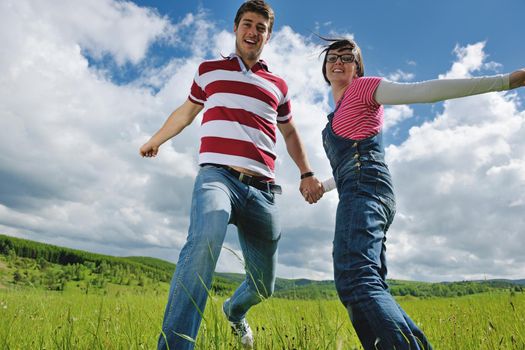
x=391 y=93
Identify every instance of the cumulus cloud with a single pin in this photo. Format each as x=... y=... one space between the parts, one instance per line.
x=461 y=186
x=119 y=28
x=470 y=58
x=400 y=75
x=396 y=114
x=70 y=170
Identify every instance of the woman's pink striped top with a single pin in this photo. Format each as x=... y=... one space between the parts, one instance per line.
x=358 y=115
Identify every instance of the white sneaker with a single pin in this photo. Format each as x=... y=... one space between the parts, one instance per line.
x=241 y=329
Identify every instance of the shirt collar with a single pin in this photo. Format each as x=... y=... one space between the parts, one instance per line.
x=261 y=62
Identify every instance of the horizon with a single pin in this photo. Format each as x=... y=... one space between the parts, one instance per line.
x=278 y=277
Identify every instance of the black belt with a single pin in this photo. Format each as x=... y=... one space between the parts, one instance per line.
x=250 y=180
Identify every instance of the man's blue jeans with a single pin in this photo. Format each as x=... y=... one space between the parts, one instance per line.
x=220 y=199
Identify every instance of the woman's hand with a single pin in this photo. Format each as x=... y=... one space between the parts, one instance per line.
x=517 y=78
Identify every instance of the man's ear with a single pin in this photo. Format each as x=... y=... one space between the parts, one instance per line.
x=235 y=28
x=268 y=37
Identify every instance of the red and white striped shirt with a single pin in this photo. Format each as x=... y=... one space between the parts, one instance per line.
x=357 y=114
x=241 y=111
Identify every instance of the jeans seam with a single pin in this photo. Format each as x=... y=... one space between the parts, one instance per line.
x=176 y=286
x=181 y=266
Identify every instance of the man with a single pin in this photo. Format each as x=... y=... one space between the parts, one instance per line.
x=244 y=102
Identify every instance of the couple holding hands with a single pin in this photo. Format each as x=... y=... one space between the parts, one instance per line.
x=244 y=103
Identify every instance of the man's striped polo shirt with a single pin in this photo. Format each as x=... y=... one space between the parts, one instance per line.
x=241 y=111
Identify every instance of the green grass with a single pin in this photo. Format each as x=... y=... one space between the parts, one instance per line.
x=121 y=318
x=484 y=321
x=57 y=298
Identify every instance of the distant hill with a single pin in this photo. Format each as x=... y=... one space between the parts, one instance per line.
x=153 y=268
x=502 y=281
x=53 y=267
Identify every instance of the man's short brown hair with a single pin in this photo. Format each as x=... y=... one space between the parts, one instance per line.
x=258 y=6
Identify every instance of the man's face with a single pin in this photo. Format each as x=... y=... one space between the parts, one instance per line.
x=251 y=35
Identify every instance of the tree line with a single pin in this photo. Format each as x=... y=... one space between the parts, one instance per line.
x=53 y=267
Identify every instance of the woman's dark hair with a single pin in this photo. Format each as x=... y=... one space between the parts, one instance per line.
x=336 y=44
x=258 y=6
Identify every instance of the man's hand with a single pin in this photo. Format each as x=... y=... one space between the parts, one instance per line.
x=149 y=149
x=176 y=122
x=311 y=189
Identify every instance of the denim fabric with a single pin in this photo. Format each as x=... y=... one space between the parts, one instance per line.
x=365 y=211
x=220 y=199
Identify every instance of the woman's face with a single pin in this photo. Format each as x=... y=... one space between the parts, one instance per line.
x=341 y=67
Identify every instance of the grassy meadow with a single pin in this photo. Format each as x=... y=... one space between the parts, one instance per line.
x=57 y=298
x=124 y=318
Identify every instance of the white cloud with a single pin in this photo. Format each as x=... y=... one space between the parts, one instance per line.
x=460 y=187
x=471 y=58
x=400 y=75
x=119 y=28
x=395 y=114
x=70 y=168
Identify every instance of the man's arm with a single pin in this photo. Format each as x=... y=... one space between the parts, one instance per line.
x=310 y=187
x=176 y=122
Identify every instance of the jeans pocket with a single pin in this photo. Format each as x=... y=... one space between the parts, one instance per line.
x=376 y=182
x=368 y=177
x=269 y=196
x=384 y=186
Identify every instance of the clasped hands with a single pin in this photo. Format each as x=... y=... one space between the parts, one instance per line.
x=311 y=189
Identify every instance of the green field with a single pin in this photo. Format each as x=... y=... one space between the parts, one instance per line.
x=124 y=319
x=58 y=298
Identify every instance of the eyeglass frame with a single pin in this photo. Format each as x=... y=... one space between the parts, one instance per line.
x=340 y=57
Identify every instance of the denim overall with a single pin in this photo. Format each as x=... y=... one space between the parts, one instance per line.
x=365 y=211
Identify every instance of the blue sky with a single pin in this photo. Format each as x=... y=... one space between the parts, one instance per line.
x=85 y=83
x=413 y=37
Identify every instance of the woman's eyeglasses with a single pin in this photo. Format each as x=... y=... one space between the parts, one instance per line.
x=346 y=58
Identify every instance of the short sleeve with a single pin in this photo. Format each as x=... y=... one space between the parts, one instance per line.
x=197 y=94
x=366 y=87
x=284 y=111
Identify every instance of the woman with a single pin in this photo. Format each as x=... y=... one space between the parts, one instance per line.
x=353 y=144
